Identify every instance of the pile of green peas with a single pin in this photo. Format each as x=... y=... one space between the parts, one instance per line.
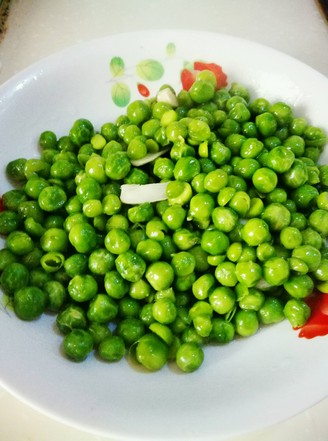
x=238 y=243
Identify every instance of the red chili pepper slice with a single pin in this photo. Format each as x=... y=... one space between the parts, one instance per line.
x=187 y=78
x=221 y=77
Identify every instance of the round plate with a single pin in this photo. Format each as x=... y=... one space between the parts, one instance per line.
x=241 y=387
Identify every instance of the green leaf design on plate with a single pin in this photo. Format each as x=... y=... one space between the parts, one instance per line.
x=150 y=70
x=121 y=94
x=116 y=66
x=170 y=49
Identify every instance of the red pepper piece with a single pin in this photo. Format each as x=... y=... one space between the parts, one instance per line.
x=221 y=77
x=187 y=78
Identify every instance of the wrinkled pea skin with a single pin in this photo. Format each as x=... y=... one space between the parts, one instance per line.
x=238 y=243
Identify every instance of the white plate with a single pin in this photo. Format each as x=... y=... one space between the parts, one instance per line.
x=242 y=387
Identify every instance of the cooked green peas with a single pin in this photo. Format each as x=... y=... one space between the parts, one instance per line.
x=214 y=242
x=246 y=322
x=102 y=309
x=152 y=352
x=78 y=344
x=52 y=261
x=225 y=273
x=117 y=241
x=271 y=311
x=29 y=302
x=52 y=198
x=19 y=243
x=277 y=216
x=111 y=348
x=297 y=312
x=82 y=287
x=160 y=275
x=222 y=299
x=189 y=357
x=245 y=219
x=150 y=250
x=130 y=266
x=299 y=286
x=255 y=232
x=83 y=237
x=115 y=285
x=264 y=180
x=14 y=276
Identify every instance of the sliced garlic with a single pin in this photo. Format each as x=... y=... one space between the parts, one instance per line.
x=167 y=96
x=148 y=158
x=137 y=194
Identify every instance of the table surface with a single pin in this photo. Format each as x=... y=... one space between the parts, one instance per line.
x=37 y=28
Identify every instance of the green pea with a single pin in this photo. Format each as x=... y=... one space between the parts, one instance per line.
x=252 y=300
x=276 y=271
x=9 y=221
x=291 y=237
x=82 y=287
x=224 y=219
x=29 y=302
x=83 y=237
x=56 y=295
x=160 y=275
x=52 y=261
x=264 y=180
x=222 y=331
x=36 y=167
x=311 y=237
x=297 y=175
x=266 y=123
x=280 y=159
x=140 y=290
x=111 y=348
x=297 y=312
x=117 y=165
x=249 y=273
x=225 y=273
x=299 y=286
x=102 y=309
x=151 y=352
x=163 y=168
x=174 y=216
x=186 y=168
x=255 y=232
x=277 y=216
x=200 y=209
x=81 y=131
x=140 y=213
x=215 y=180
x=130 y=266
x=321 y=273
x=309 y=254
x=272 y=311
x=150 y=250
x=214 y=242
x=78 y=344
x=19 y=243
x=189 y=357
x=246 y=323
x=14 y=276
x=222 y=299
x=201 y=91
x=318 y=221
x=115 y=285
x=183 y=263
x=117 y=241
